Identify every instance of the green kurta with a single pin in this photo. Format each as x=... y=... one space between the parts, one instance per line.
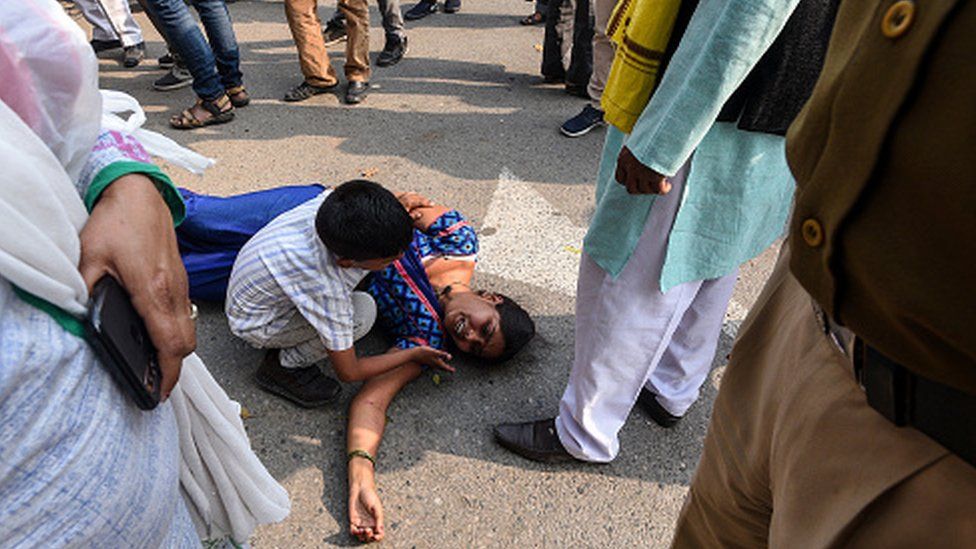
x=737 y=195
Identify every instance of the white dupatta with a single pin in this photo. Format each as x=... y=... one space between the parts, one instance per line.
x=48 y=75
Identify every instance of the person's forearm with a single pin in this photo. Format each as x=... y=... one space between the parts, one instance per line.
x=376 y=365
x=130 y=236
x=367 y=418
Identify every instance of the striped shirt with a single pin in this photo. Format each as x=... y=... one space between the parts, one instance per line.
x=285 y=269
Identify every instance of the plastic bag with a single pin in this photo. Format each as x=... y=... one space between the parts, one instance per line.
x=49 y=77
x=115 y=103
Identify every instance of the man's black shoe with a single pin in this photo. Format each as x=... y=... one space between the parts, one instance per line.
x=452 y=6
x=535 y=440
x=133 y=55
x=420 y=10
x=393 y=52
x=356 y=92
x=305 y=90
x=308 y=387
x=648 y=402
x=334 y=30
x=167 y=61
x=177 y=77
x=104 y=45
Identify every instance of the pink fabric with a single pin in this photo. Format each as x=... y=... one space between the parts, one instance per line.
x=50 y=78
x=126 y=144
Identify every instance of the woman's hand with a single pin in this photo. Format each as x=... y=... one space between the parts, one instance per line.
x=431 y=357
x=411 y=200
x=365 y=511
x=414 y=204
x=130 y=236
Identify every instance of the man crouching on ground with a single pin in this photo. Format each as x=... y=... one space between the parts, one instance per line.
x=290 y=290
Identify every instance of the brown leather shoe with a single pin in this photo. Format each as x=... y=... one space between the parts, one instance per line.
x=307 y=387
x=535 y=440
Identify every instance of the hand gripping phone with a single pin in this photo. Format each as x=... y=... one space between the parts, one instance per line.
x=119 y=338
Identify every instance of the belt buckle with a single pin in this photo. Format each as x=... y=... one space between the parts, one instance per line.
x=886 y=383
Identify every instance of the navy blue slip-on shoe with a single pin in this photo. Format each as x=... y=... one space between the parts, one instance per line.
x=583 y=122
x=452 y=6
x=420 y=10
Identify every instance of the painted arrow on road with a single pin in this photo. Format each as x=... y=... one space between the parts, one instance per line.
x=523 y=238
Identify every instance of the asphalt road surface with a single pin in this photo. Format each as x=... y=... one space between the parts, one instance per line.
x=465 y=119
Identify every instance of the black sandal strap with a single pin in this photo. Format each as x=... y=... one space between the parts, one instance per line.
x=216 y=107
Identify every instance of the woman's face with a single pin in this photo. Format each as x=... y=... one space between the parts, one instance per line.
x=472 y=321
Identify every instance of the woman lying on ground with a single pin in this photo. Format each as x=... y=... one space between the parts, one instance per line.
x=423 y=298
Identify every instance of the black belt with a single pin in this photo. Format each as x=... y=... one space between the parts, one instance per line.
x=944 y=414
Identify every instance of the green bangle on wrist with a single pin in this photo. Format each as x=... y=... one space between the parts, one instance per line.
x=363 y=454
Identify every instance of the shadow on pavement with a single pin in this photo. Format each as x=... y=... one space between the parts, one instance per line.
x=508 y=117
x=262 y=11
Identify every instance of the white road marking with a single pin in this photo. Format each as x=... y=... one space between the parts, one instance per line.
x=525 y=239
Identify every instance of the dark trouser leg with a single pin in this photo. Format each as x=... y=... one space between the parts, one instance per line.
x=392 y=18
x=552 y=45
x=581 y=63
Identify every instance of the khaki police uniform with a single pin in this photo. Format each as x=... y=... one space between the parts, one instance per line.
x=883 y=242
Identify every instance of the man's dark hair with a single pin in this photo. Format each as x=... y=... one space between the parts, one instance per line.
x=361 y=220
x=516 y=325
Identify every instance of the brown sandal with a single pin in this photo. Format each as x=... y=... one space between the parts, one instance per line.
x=238 y=96
x=221 y=110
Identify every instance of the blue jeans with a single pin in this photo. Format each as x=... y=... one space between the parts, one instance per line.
x=215 y=67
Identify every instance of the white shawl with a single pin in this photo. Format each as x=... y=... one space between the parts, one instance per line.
x=41 y=216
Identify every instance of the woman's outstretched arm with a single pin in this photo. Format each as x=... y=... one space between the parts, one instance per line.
x=367 y=419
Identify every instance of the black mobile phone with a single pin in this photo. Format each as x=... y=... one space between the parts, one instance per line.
x=119 y=338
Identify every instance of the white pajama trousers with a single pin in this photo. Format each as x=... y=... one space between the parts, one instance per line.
x=111 y=20
x=630 y=335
